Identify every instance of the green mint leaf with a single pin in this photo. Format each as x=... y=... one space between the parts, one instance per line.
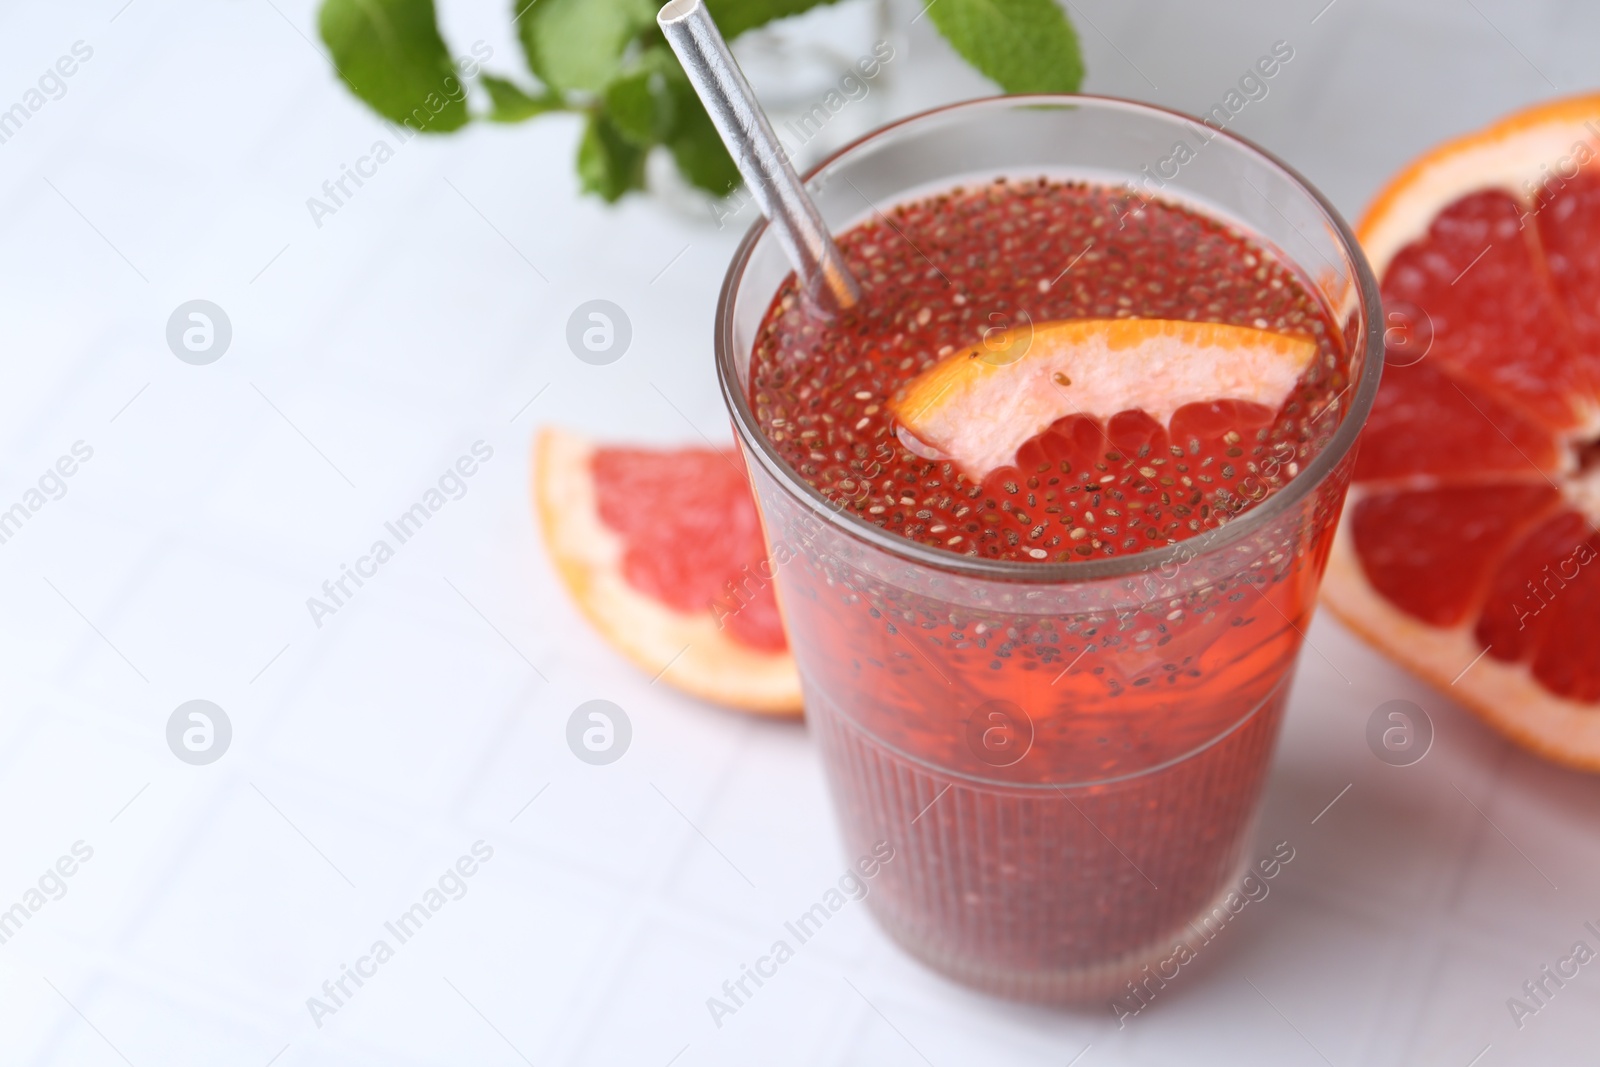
x=578 y=45
x=734 y=17
x=636 y=109
x=609 y=165
x=1024 y=46
x=390 y=54
x=639 y=102
x=695 y=145
x=512 y=104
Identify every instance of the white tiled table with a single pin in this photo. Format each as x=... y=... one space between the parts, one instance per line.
x=370 y=753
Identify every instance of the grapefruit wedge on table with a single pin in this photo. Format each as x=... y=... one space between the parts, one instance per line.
x=647 y=541
x=1468 y=550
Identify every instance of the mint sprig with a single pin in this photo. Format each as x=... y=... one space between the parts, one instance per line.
x=606 y=60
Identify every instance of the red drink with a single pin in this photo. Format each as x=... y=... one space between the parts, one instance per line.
x=942 y=272
x=1054 y=706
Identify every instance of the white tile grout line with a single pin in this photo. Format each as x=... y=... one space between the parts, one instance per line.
x=1331 y=803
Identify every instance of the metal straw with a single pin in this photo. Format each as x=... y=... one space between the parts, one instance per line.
x=744 y=128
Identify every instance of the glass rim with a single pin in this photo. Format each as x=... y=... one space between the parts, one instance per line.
x=1025 y=571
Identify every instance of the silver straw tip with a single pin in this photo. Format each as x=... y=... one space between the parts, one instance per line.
x=677 y=11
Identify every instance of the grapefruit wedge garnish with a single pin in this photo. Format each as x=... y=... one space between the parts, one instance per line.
x=1468 y=546
x=662 y=550
x=981 y=403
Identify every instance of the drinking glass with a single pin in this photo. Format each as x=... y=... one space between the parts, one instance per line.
x=1067 y=759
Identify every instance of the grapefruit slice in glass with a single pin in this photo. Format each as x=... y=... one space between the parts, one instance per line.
x=1468 y=546
x=662 y=550
x=980 y=404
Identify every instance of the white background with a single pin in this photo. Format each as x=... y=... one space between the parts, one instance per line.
x=369 y=754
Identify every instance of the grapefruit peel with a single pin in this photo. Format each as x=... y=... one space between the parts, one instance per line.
x=980 y=404
x=686 y=650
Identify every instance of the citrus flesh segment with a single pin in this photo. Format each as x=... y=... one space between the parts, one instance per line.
x=979 y=405
x=1441 y=580
x=1566 y=229
x=1564 y=661
x=1469 y=530
x=1529 y=580
x=1478 y=277
x=690 y=528
x=647 y=543
x=1487 y=440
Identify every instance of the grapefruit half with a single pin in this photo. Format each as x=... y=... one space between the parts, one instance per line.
x=1468 y=550
x=662 y=550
